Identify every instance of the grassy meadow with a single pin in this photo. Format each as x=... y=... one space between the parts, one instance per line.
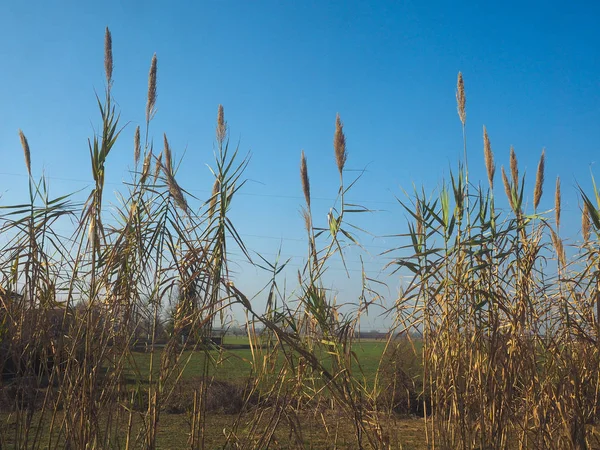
x=105 y=334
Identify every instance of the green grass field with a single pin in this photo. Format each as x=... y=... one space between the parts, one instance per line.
x=236 y=364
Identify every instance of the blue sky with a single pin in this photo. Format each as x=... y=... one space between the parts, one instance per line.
x=283 y=70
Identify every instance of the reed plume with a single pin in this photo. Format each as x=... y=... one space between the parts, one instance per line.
x=221 y=126
x=559 y=247
x=514 y=169
x=489 y=158
x=150 y=106
x=108 y=57
x=539 y=181
x=304 y=179
x=507 y=189
x=585 y=223
x=174 y=189
x=214 y=195
x=158 y=166
x=26 y=151
x=419 y=219
x=136 y=146
x=557 y=203
x=176 y=193
x=307 y=220
x=339 y=144
x=461 y=99
x=146 y=167
x=168 y=156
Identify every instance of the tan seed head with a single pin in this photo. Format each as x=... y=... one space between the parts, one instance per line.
x=304 y=179
x=489 y=158
x=307 y=220
x=136 y=146
x=557 y=203
x=339 y=144
x=146 y=167
x=221 y=125
x=461 y=99
x=168 y=157
x=108 y=56
x=507 y=188
x=150 y=106
x=419 y=220
x=26 y=151
x=539 y=181
x=174 y=189
x=559 y=247
x=158 y=166
x=214 y=195
x=514 y=169
x=585 y=223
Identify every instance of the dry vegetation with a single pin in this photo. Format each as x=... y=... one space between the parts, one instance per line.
x=509 y=355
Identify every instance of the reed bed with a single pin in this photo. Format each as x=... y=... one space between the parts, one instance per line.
x=501 y=330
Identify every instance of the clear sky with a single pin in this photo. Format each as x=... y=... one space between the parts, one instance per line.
x=282 y=70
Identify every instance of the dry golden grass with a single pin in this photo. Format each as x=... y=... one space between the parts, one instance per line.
x=508 y=355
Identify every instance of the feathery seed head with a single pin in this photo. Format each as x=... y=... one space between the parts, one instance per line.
x=507 y=188
x=214 y=195
x=158 y=166
x=221 y=126
x=26 y=151
x=585 y=223
x=177 y=193
x=136 y=146
x=108 y=57
x=419 y=215
x=514 y=169
x=557 y=203
x=339 y=144
x=168 y=157
x=489 y=158
x=307 y=220
x=559 y=247
x=539 y=181
x=461 y=99
x=304 y=179
x=146 y=167
x=150 y=106
x=174 y=189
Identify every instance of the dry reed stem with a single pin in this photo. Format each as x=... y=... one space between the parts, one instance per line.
x=150 y=106
x=108 y=57
x=221 y=125
x=137 y=149
x=461 y=99
x=339 y=144
x=557 y=199
x=304 y=178
x=26 y=151
x=539 y=181
x=489 y=158
x=585 y=223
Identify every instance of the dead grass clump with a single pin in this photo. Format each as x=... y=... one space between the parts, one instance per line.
x=401 y=388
